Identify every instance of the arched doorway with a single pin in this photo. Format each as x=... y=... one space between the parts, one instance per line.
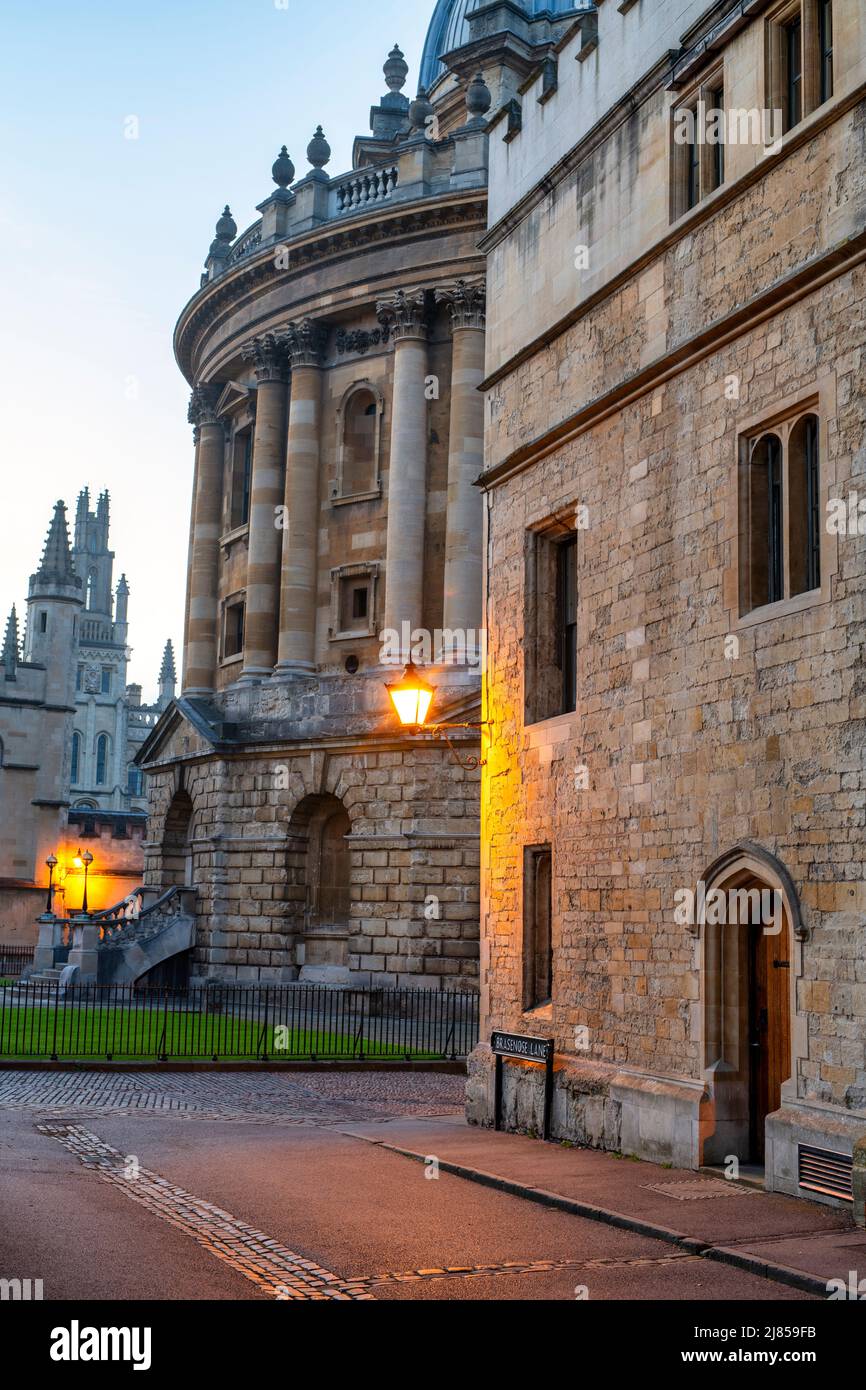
x=177 y=858
x=319 y=884
x=749 y=969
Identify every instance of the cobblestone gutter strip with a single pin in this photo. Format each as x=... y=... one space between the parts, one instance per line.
x=277 y=1271
x=752 y=1264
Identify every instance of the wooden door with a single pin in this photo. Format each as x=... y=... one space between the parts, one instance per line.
x=769 y=1028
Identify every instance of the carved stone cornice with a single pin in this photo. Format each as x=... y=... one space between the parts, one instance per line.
x=304 y=343
x=405 y=314
x=254 y=275
x=467 y=301
x=203 y=406
x=268 y=356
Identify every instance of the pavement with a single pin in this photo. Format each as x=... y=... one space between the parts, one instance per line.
x=366 y=1186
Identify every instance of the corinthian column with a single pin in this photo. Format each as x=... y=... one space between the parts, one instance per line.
x=463 y=559
x=405 y=314
x=202 y=625
x=304 y=344
x=266 y=494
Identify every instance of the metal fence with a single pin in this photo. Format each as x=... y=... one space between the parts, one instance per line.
x=13 y=959
x=225 y=1022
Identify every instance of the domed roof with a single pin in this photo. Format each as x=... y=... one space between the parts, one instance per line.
x=449 y=28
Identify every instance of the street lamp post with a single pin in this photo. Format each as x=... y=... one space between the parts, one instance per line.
x=412 y=697
x=83 y=861
x=51 y=862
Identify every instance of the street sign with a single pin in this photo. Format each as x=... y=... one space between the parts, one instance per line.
x=519 y=1047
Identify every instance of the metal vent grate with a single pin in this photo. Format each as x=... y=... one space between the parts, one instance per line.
x=828 y=1172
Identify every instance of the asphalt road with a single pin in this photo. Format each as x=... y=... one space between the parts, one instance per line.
x=145 y=1205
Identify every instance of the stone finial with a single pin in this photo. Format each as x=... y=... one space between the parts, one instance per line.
x=478 y=98
x=226 y=231
x=420 y=110
x=318 y=150
x=282 y=169
x=11 y=646
x=268 y=356
x=396 y=69
x=404 y=313
x=467 y=301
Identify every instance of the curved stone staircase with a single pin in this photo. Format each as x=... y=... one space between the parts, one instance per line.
x=135 y=938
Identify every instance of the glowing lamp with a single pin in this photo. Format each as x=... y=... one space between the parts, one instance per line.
x=411 y=697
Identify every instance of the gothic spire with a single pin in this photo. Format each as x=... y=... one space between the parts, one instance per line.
x=56 y=566
x=11 y=649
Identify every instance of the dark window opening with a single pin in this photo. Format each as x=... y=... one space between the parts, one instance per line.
x=43 y=622
x=693 y=168
x=567 y=621
x=825 y=42
x=537 y=932
x=804 y=506
x=359 y=603
x=717 y=104
x=106 y=680
x=242 y=479
x=793 y=35
x=233 y=642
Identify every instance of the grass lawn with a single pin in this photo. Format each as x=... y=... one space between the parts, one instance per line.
x=149 y=1035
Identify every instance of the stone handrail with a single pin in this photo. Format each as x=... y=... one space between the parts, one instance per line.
x=362 y=187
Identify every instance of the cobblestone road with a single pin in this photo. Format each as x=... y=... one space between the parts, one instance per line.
x=305 y=1098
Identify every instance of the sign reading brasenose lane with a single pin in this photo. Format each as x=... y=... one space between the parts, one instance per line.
x=518 y=1045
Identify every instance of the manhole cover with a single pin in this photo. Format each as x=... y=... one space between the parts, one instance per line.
x=698 y=1190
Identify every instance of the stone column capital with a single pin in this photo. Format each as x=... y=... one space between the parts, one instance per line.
x=467 y=300
x=202 y=405
x=268 y=356
x=404 y=314
x=304 y=343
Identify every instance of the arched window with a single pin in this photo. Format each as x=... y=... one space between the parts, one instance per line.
x=75 y=772
x=359 y=434
x=101 y=760
x=804 y=506
x=780 y=512
x=91 y=589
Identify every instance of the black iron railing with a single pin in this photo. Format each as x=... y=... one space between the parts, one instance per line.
x=240 y=1022
x=13 y=959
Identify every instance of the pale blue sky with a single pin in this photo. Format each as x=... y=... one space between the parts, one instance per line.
x=103 y=239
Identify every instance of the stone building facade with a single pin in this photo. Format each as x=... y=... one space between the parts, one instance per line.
x=335 y=349
x=70 y=728
x=674 y=478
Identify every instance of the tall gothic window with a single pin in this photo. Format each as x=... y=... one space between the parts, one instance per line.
x=75 y=771
x=101 y=760
x=780 y=512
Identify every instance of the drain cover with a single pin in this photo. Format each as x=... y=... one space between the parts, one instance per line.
x=698 y=1190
